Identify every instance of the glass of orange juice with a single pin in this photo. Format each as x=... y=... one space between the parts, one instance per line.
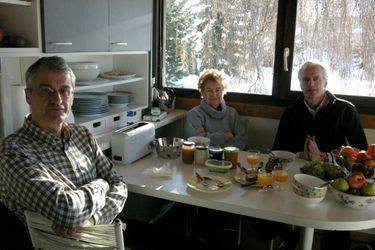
x=280 y=176
x=253 y=158
x=265 y=179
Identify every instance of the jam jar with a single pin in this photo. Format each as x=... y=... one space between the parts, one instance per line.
x=188 y=149
x=231 y=154
x=200 y=155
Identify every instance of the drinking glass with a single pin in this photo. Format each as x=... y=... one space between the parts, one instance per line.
x=253 y=158
x=280 y=176
x=265 y=179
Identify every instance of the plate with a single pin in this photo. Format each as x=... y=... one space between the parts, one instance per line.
x=192 y=183
x=117 y=75
x=91 y=82
x=240 y=179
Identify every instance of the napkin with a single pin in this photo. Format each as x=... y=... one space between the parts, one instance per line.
x=164 y=170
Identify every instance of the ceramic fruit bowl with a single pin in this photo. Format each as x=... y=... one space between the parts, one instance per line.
x=354 y=201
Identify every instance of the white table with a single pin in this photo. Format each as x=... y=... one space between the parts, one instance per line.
x=280 y=206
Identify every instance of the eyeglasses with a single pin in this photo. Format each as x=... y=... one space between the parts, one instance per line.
x=48 y=92
x=216 y=91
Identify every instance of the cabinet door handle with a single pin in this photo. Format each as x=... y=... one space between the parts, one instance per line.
x=61 y=43
x=286 y=54
x=119 y=43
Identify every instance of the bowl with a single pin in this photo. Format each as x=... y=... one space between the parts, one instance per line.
x=219 y=166
x=200 y=140
x=284 y=155
x=308 y=188
x=169 y=147
x=354 y=201
x=298 y=193
x=86 y=74
x=83 y=65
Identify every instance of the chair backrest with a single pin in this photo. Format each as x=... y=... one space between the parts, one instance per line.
x=93 y=237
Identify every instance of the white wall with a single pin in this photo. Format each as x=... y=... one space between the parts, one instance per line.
x=262 y=131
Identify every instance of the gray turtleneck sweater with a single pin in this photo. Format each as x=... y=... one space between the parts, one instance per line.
x=215 y=124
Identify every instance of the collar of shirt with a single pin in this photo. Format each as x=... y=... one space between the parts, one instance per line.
x=320 y=106
x=42 y=135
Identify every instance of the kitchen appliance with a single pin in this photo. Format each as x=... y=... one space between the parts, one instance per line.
x=132 y=143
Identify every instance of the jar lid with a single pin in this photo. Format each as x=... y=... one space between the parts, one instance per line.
x=201 y=147
x=215 y=149
x=231 y=149
x=189 y=143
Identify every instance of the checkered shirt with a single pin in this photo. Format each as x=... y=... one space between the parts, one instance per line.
x=60 y=177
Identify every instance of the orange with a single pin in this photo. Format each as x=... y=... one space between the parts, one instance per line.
x=348 y=152
x=371 y=150
x=370 y=163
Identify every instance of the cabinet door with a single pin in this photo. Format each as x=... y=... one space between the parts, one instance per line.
x=75 y=25
x=130 y=25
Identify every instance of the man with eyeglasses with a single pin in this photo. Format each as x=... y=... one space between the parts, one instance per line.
x=55 y=168
x=212 y=118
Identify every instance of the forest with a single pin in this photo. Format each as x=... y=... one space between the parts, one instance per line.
x=239 y=37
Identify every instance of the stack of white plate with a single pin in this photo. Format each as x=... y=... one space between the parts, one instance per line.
x=90 y=103
x=119 y=98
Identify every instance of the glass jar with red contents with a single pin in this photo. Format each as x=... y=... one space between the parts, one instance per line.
x=188 y=149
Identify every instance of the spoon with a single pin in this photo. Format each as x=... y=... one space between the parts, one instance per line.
x=326 y=183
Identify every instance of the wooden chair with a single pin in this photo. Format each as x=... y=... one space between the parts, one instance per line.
x=93 y=237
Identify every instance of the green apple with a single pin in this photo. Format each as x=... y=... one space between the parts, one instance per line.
x=341 y=184
x=368 y=190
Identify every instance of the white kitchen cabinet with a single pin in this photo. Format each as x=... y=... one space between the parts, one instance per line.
x=96 y=25
x=130 y=25
x=13 y=81
x=74 y=25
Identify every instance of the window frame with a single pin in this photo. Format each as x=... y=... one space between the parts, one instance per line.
x=281 y=93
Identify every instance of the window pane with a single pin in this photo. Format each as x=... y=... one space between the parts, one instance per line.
x=339 y=33
x=237 y=36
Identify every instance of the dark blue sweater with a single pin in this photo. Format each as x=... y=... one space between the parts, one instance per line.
x=334 y=125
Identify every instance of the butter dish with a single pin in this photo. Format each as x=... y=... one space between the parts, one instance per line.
x=214 y=165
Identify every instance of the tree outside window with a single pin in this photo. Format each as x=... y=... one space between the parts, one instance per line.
x=239 y=37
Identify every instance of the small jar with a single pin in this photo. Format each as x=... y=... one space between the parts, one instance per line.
x=231 y=154
x=188 y=149
x=215 y=152
x=200 y=155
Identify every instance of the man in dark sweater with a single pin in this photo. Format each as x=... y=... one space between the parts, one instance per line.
x=317 y=123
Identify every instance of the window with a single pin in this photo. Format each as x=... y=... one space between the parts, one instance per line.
x=216 y=34
x=248 y=40
x=340 y=34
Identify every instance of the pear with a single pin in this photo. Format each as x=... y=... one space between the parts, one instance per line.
x=368 y=190
x=341 y=184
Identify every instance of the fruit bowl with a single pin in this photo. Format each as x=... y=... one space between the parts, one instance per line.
x=354 y=201
x=307 y=188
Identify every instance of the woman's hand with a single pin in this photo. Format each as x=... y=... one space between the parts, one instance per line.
x=228 y=136
x=199 y=129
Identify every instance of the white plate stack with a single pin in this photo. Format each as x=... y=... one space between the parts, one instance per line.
x=119 y=99
x=90 y=103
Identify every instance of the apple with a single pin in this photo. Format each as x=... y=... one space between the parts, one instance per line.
x=368 y=190
x=356 y=180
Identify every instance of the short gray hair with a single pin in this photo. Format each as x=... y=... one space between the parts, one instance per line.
x=309 y=64
x=53 y=63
